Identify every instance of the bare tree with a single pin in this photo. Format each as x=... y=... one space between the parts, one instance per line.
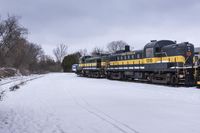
x=12 y=39
x=116 y=45
x=17 y=52
x=60 y=52
x=97 y=51
x=83 y=52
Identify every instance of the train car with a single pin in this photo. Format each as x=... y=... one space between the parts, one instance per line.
x=74 y=67
x=197 y=66
x=91 y=66
x=162 y=61
x=81 y=65
x=198 y=77
x=122 y=65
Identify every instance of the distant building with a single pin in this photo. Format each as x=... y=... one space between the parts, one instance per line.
x=197 y=50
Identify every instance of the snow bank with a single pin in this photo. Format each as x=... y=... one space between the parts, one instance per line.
x=8 y=72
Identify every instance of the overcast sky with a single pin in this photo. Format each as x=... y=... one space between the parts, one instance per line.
x=90 y=23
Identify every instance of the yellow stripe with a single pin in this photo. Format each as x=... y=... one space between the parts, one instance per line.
x=126 y=62
x=91 y=64
x=170 y=59
x=174 y=59
x=88 y=64
x=81 y=65
x=103 y=63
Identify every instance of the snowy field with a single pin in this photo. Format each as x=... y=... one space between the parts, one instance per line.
x=65 y=103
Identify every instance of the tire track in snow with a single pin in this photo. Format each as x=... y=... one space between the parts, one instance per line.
x=120 y=126
x=103 y=113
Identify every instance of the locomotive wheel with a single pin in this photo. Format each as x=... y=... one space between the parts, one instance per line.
x=98 y=75
x=174 y=80
x=168 y=79
x=121 y=76
x=150 y=78
x=108 y=76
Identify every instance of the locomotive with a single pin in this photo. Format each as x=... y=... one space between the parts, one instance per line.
x=163 y=62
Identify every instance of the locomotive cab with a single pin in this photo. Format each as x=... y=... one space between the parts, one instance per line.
x=154 y=48
x=81 y=65
x=93 y=63
x=153 y=54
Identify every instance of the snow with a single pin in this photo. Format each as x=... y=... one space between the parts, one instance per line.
x=65 y=103
x=6 y=83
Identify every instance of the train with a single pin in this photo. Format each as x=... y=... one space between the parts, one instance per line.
x=163 y=62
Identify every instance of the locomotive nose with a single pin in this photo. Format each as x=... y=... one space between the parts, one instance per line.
x=189 y=50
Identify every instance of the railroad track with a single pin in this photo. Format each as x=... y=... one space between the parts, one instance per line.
x=14 y=84
x=142 y=81
x=20 y=79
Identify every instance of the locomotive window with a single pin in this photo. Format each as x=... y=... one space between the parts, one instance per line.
x=149 y=52
x=124 y=57
x=158 y=49
x=138 y=56
x=180 y=51
x=121 y=57
x=132 y=56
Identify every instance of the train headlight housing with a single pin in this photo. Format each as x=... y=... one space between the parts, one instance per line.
x=181 y=76
x=189 y=53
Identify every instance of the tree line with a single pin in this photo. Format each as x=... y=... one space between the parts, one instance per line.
x=28 y=57
x=17 y=52
x=112 y=47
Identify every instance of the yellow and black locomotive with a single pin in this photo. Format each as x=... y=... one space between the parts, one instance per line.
x=161 y=61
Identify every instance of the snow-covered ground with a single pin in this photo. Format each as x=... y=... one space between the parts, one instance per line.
x=6 y=84
x=65 y=103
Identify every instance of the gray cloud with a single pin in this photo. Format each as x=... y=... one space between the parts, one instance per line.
x=90 y=23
